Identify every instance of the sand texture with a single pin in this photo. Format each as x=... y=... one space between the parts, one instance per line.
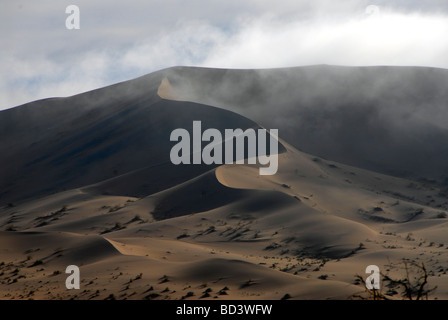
x=87 y=180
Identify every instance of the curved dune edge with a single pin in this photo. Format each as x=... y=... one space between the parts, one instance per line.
x=245 y=176
x=242 y=177
x=84 y=249
x=133 y=246
x=125 y=250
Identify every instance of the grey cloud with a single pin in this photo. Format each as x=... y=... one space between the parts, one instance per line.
x=119 y=41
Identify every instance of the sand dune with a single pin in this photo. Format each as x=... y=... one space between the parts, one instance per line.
x=90 y=183
x=369 y=117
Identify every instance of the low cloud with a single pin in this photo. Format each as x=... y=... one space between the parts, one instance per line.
x=61 y=62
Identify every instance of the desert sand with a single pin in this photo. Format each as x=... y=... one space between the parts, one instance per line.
x=87 y=181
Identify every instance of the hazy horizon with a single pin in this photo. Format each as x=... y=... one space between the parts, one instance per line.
x=117 y=42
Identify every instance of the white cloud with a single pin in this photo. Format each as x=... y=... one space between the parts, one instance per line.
x=386 y=39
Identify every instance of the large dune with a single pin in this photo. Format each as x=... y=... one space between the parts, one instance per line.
x=87 y=180
x=370 y=117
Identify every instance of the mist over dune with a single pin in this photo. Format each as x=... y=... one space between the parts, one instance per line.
x=388 y=119
x=88 y=180
x=120 y=133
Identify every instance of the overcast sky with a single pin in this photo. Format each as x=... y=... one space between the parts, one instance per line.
x=121 y=40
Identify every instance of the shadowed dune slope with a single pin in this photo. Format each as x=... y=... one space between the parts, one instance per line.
x=386 y=119
x=122 y=141
x=392 y=120
x=56 y=248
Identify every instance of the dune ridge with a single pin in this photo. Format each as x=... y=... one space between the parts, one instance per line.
x=97 y=189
